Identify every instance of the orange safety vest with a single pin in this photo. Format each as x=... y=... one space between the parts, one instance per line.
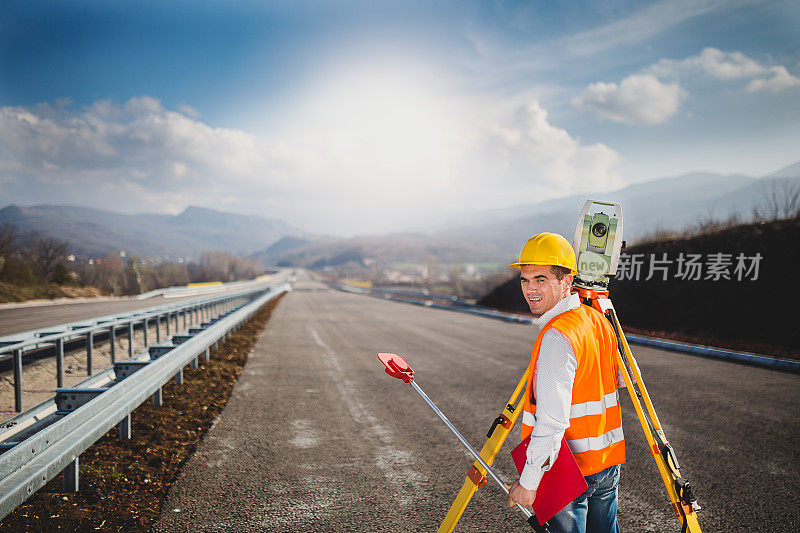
x=595 y=431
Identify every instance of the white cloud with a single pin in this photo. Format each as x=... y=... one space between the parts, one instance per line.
x=643 y=24
x=645 y=98
x=713 y=62
x=143 y=104
x=370 y=160
x=189 y=111
x=781 y=79
x=139 y=143
x=533 y=158
x=729 y=66
x=638 y=99
x=635 y=28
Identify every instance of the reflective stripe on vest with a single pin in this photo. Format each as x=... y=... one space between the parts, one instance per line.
x=593 y=408
x=580 y=409
x=528 y=418
x=596 y=443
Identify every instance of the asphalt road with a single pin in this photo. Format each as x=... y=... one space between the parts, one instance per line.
x=19 y=319
x=316 y=437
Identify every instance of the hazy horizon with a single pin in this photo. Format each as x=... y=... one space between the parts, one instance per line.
x=412 y=228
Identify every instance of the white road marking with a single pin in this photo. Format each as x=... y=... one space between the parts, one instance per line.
x=395 y=463
x=320 y=496
x=304 y=435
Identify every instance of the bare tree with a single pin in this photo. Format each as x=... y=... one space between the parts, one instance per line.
x=170 y=274
x=49 y=251
x=110 y=274
x=780 y=198
x=219 y=265
x=455 y=280
x=8 y=239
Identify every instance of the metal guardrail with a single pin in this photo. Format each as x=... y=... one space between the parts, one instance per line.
x=454 y=305
x=56 y=338
x=204 y=288
x=49 y=438
x=774 y=363
x=424 y=293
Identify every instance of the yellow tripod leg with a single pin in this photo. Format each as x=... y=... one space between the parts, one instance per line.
x=476 y=477
x=666 y=462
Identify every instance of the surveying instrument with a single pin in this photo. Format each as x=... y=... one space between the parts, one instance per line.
x=597 y=243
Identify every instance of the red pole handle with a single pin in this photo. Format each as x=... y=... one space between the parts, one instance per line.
x=396 y=366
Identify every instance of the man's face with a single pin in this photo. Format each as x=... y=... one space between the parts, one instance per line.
x=541 y=289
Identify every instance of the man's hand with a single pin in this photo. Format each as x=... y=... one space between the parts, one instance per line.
x=519 y=494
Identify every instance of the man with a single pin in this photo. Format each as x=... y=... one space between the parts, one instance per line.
x=572 y=389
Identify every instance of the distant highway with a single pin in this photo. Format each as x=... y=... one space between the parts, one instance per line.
x=317 y=438
x=17 y=320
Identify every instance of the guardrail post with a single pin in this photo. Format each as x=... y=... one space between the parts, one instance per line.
x=18 y=380
x=144 y=329
x=184 y=319
x=89 y=352
x=196 y=362
x=72 y=476
x=125 y=428
x=158 y=328
x=166 y=321
x=179 y=377
x=112 y=340
x=60 y=362
x=158 y=398
x=207 y=354
x=177 y=327
x=130 y=339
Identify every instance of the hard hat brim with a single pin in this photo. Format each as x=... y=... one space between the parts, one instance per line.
x=519 y=265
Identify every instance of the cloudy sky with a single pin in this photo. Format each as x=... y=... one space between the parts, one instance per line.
x=364 y=117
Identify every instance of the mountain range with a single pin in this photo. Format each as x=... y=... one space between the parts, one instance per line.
x=496 y=236
x=94 y=233
x=480 y=236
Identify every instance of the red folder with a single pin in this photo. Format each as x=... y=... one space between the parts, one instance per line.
x=559 y=486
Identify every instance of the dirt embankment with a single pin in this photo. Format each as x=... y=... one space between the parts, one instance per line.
x=12 y=292
x=124 y=483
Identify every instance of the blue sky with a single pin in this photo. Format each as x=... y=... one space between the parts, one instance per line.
x=357 y=117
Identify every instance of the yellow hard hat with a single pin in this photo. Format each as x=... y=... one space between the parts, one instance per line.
x=547 y=249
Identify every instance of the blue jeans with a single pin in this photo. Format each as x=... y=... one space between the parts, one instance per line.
x=594 y=511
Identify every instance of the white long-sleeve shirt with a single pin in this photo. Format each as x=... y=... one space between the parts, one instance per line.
x=552 y=381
